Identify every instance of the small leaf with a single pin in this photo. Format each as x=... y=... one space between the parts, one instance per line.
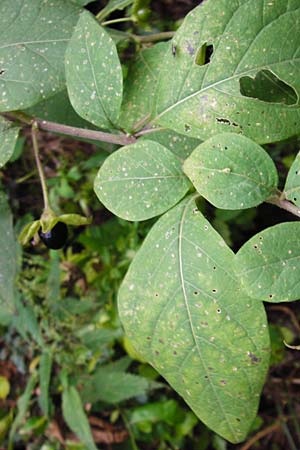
x=184 y=311
x=34 y=36
x=4 y=387
x=140 y=181
x=28 y=232
x=94 y=73
x=112 y=386
x=113 y=5
x=75 y=416
x=268 y=265
x=232 y=172
x=75 y=220
x=292 y=185
x=8 y=138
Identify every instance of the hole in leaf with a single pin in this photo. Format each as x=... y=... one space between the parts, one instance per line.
x=204 y=54
x=266 y=86
x=2 y=71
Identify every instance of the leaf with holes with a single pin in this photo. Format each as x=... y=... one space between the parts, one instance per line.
x=184 y=312
x=8 y=138
x=292 y=185
x=268 y=265
x=246 y=85
x=232 y=172
x=140 y=181
x=94 y=73
x=34 y=36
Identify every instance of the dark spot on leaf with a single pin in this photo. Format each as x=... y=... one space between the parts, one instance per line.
x=174 y=49
x=156 y=352
x=223 y=382
x=206 y=377
x=271 y=296
x=190 y=49
x=214 y=268
x=161 y=341
x=238 y=419
x=187 y=127
x=254 y=358
x=174 y=353
x=148 y=338
x=2 y=71
x=196 y=292
x=255 y=246
x=214 y=290
x=295 y=199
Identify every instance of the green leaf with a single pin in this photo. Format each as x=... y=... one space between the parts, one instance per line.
x=182 y=307
x=167 y=411
x=23 y=404
x=75 y=416
x=268 y=265
x=4 y=387
x=232 y=172
x=94 y=73
x=34 y=36
x=8 y=260
x=75 y=220
x=179 y=144
x=45 y=374
x=140 y=86
x=111 y=386
x=58 y=109
x=112 y=6
x=28 y=231
x=8 y=138
x=140 y=181
x=226 y=93
x=292 y=185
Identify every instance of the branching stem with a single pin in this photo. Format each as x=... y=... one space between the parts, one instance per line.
x=120 y=139
x=284 y=204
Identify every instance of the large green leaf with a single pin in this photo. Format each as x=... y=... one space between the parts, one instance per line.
x=8 y=138
x=232 y=171
x=268 y=265
x=253 y=40
x=140 y=181
x=75 y=416
x=184 y=312
x=34 y=36
x=292 y=185
x=8 y=260
x=94 y=73
x=140 y=86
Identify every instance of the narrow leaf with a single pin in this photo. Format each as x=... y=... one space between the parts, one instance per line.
x=75 y=416
x=232 y=172
x=44 y=374
x=184 y=312
x=292 y=185
x=268 y=265
x=140 y=181
x=8 y=138
x=34 y=36
x=94 y=73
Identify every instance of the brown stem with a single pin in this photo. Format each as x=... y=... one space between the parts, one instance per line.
x=120 y=139
x=275 y=427
x=284 y=204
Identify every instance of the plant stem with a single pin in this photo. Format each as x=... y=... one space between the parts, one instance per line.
x=129 y=429
x=34 y=132
x=122 y=19
x=284 y=204
x=163 y=35
x=120 y=139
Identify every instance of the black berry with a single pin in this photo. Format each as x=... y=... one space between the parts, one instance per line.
x=55 y=238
